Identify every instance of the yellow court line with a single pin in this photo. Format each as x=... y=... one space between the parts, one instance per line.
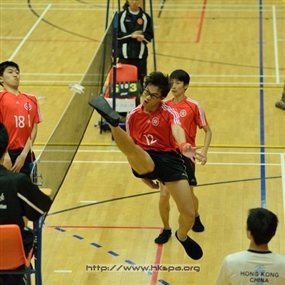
x=90 y=144
x=201 y=85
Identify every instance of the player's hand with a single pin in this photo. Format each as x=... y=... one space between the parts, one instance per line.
x=190 y=152
x=140 y=38
x=204 y=159
x=137 y=33
x=150 y=183
x=19 y=163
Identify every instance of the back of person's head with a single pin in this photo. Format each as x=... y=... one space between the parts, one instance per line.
x=160 y=80
x=4 y=139
x=5 y=64
x=262 y=225
x=180 y=75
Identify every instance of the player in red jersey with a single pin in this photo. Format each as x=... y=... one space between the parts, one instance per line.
x=192 y=117
x=152 y=142
x=20 y=114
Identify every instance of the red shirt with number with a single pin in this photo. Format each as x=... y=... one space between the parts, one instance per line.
x=191 y=116
x=153 y=131
x=19 y=113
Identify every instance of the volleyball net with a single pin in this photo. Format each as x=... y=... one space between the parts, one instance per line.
x=60 y=150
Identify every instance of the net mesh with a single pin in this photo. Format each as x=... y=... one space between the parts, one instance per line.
x=59 y=151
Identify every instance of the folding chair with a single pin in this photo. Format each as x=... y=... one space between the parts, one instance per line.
x=127 y=89
x=12 y=253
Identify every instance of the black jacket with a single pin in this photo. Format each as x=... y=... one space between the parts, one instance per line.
x=128 y=23
x=20 y=197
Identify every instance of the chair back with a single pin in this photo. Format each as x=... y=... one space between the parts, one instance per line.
x=127 y=84
x=12 y=253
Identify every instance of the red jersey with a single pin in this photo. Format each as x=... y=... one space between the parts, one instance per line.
x=191 y=116
x=153 y=131
x=19 y=113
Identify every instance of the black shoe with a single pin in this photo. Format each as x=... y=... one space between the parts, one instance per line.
x=191 y=247
x=163 y=237
x=102 y=106
x=198 y=226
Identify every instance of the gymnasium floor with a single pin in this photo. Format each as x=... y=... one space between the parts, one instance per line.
x=103 y=218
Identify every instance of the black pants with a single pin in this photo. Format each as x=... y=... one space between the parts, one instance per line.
x=26 y=167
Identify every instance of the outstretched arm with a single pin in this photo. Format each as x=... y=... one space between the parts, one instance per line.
x=185 y=148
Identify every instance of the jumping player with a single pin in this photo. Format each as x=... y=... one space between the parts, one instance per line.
x=151 y=144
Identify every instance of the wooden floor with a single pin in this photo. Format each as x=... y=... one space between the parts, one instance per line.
x=103 y=219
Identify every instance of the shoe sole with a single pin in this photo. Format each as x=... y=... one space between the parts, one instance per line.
x=191 y=247
x=104 y=109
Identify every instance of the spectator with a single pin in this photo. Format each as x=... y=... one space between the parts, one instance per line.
x=257 y=265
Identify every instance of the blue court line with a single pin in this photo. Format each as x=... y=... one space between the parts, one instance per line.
x=112 y=253
x=78 y=237
x=96 y=244
x=163 y=282
x=261 y=111
x=60 y=229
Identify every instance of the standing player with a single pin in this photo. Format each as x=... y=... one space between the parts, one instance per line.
x=134 y=32
x=192 y=117
x=150 y=144
x=20 y=113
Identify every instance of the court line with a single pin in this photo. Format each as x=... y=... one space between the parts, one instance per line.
x=156 y=192
x=33 y=74
x=158 y=255
x=104 y=227
x=55 y=26
x=62 y=271
x=275 y=39
x=111 y=144
x=29 y=33
x=201 y=21
x=261 y=111
x=157 y=262
x=126 y=162
x=195 y=84
x=209 y=152
x=208 y=61
x=282 y=158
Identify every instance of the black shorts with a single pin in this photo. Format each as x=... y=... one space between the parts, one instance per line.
x=190 y=170
x=169 y=166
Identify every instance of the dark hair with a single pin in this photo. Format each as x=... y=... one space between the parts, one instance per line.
x=262 y=224
x=5 y=64
x=4 y=139
x=126 y=5
x=160 y=80
x=181 y=75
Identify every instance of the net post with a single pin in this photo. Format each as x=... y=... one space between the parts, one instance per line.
x=114 y=74
x=153 y=40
